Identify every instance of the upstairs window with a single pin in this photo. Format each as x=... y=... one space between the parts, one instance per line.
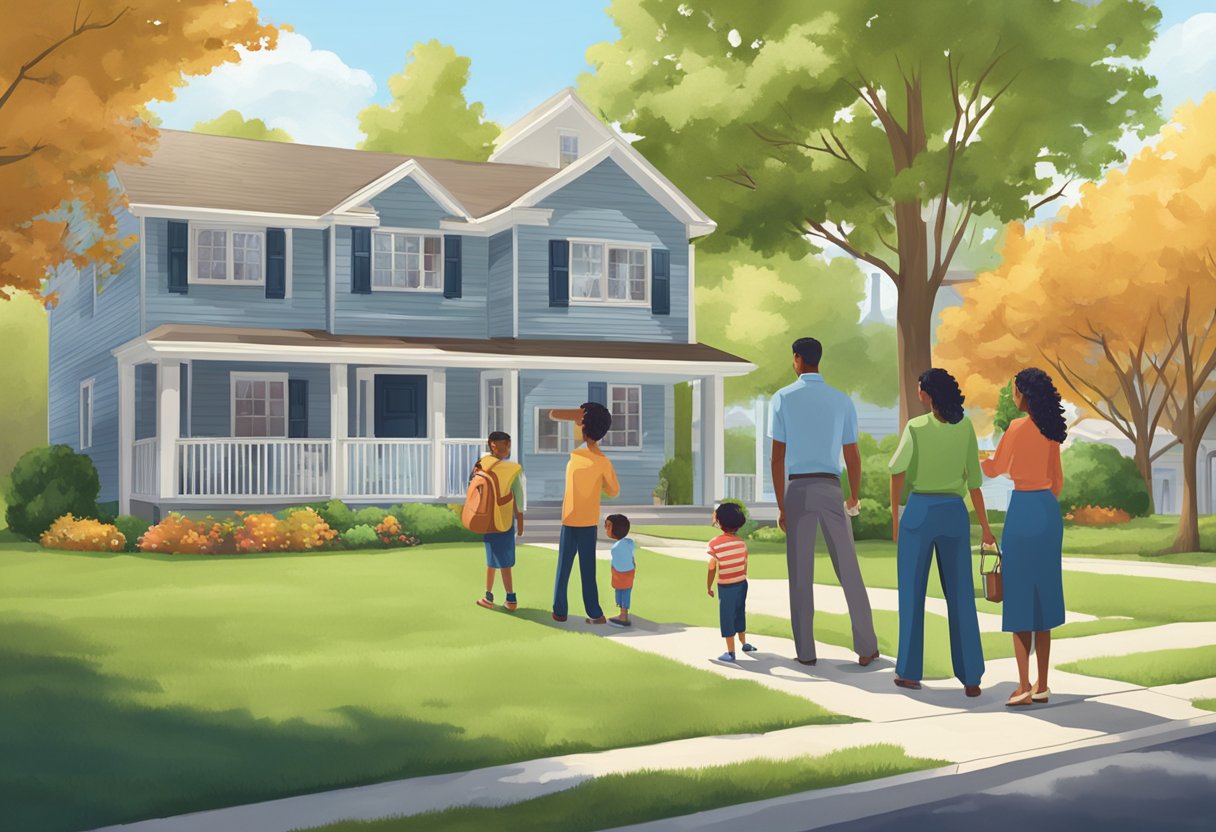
x=625 y=403
x=228 y=255
x=552 y=437
x=406 y=262
x=607 y=273
x=495 y=406
x=259 y=405
x=567 y=149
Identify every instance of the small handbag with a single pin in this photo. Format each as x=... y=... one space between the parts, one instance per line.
x=994 y=584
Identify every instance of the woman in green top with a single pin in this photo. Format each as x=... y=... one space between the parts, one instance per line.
x=935 y=464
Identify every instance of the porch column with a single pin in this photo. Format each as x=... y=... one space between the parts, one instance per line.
x=438 y=398
x=510 y=407
x=713 y=441
x=126 y=433
x=168 y=423
x=698 y=447
x=339 y=432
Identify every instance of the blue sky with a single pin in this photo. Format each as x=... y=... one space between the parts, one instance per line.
x=522 y=51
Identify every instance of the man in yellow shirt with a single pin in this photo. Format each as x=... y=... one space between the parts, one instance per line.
x=589 y=474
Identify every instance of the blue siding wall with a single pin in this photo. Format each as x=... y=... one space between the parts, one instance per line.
x=500 y=310
x=463 y=415
x=81 y=339
x=413 y=314
x=234 y=305
x=603 y=204
x=211 y=394
x=638 y=471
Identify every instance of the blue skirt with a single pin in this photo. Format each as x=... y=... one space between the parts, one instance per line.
x=1031 y=545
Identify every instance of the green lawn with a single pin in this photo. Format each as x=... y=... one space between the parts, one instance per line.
x=1204 y=704
x=137 y=686
x=623 y=799
x=1160 y=667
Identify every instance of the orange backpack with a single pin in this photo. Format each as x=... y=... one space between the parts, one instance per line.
x=481 y=501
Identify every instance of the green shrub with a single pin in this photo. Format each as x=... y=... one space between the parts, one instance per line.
x=677 y=471
x=132 y=528
x=431 y=523
x=371 y=516
x=1098 y=475
x=874 y=522
x=768 y=534
x=739 y=445
x=47 y=483
x=749 y=525
x=337 y=514
x=1006 y=410
x=875 y=478
x=362 y=536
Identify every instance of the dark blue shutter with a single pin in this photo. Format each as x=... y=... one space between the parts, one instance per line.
x=179 y=254
x=597 y=391
x=297 y=408
x=361 y=261
x=559 y=273
x=660 y=281
x=451 y=265
x=183 y=402
x=276 y=263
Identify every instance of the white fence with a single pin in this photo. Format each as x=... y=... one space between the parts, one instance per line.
x=281 y=468
x=460 y=455
x=385 y=469
x=144 y=481
x=741 y=487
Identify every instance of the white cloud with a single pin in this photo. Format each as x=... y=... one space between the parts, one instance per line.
x=310 y=93
x=1184 y=61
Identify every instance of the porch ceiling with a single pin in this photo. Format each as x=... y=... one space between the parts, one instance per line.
x=186 y=341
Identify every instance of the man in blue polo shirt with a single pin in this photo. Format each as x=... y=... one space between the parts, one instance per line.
x=811 y=423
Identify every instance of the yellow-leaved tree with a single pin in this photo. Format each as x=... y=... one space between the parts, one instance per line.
x=75 y=76
x=1118 y=297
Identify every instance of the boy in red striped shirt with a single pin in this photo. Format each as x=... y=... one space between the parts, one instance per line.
x=728 y=561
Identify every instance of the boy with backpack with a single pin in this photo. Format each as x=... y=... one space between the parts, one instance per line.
x=493 y=509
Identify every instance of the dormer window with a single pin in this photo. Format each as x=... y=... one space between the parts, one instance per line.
x=567 y=149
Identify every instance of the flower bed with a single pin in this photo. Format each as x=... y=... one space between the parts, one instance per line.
x=1097 y=516
x=83 y=535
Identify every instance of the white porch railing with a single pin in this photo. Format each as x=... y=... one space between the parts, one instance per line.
x=386 y=469
x=460 y=456
x=144 y=480
x=741 y=487
x=280 y=468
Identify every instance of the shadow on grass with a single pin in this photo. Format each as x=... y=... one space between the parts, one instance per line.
x=80 y=753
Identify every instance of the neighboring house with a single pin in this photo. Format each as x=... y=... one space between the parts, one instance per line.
x=301 y=323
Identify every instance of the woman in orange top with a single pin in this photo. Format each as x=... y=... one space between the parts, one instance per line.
x=1033 y=536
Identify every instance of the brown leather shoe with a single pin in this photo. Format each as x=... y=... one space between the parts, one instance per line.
x=558 y=618
x=973 y=691
x=865 y=661
x=906 y=683
x=600 y=620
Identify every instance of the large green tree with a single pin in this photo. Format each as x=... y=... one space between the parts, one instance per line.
x=429 y=115
x=882 y=128
x=23 y=378
x=755 y=307
x=232 y=123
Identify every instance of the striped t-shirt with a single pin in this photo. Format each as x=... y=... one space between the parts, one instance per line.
x=730 y=554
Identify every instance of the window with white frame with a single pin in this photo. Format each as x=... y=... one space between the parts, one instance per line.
x=625 y=403
x=567 y=149
x=495 y=406
x=607 y=273
x=86 y=414
x=229 y=255
x=402 y=261
x=259 y=405
x=552 y=437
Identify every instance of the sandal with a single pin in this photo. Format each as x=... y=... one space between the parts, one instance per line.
x=1040 y=695
x=1018 y=700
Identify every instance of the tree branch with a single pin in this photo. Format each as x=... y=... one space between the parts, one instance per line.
x=840 y=239
x=8 y=160
x=1051 y=197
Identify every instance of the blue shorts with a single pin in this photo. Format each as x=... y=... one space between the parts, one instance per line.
x=732 y=615
x=623 y=597
x=500 y=549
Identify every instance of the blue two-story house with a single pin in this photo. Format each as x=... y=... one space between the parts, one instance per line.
x=297 y=323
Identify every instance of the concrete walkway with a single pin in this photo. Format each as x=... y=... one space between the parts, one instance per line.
x=1142 y=569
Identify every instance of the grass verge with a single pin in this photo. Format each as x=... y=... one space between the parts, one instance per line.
x=622 y=799
x=1159 y=667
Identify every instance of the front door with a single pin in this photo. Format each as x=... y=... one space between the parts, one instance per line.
x=400 y=407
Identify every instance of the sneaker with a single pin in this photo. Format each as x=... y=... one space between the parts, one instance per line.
x=749 y=648
x=600 y=620
x=511 y=605
x=620 y=622
x=486 y=603
x=727 y=657
x=559 y=618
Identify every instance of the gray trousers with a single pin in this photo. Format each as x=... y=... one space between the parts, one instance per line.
x=811 y=504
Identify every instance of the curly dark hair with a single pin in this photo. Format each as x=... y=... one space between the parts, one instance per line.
x=943 y=390
x=1042 y=403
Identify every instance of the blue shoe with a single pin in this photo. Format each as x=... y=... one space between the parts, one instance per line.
x=749 y=648
x=726 y=657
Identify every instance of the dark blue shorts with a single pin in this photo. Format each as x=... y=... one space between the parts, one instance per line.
x=500 y=549
x=732 y=615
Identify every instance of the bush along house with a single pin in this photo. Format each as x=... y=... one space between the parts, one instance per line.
x=298 y=323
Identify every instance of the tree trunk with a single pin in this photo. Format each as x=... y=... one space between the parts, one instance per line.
x=1144 y=464
x=1187 y=538
x=914 y=321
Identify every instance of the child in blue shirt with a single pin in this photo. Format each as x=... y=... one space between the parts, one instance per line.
x=623 y=565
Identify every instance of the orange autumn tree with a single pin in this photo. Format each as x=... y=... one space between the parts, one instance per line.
x=1119 y=297
x=74 y=80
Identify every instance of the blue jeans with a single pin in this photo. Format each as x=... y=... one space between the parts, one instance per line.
x=732 y=608
x=577 y=540
x=937 y=521
x=623 y=597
